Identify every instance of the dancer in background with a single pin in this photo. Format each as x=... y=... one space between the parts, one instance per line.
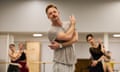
x=14 y=66
x=107 y=62
x=97 y=54
x=22 y=59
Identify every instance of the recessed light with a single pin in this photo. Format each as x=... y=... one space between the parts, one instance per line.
x=116 y=35
x=37 y=35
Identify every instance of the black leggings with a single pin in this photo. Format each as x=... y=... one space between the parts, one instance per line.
x=13 y=68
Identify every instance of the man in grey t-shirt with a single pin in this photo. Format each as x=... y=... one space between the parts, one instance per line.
x=62 y=35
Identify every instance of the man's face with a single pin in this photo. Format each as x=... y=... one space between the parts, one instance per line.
x=53 y=14
x=91 y=40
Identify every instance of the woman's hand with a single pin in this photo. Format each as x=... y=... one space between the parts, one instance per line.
x=19 y=65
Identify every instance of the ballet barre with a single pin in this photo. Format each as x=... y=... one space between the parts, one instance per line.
x=39 y=62
x=16 y=64
x=44 y=63
x=116 y=62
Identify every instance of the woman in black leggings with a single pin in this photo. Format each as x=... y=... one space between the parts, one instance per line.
x=14 y=66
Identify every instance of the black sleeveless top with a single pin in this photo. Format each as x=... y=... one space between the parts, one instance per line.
x=23 y=56
x=96 y=53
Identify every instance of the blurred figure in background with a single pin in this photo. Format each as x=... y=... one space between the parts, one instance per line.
x=97 y=54
x=107 y=62
x=22 y=59
x=14 y=66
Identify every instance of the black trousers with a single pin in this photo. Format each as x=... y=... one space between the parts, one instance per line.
x=97 y=68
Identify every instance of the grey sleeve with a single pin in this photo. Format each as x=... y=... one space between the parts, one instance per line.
x=52 y=34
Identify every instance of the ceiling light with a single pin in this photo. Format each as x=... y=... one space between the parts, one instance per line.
x=116 y=35
x=37 y=35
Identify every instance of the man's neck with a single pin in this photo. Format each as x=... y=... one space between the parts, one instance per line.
x=95 y=44
x=57 y=23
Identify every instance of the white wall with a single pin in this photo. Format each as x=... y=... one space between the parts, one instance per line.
x=23 y=16
x=29 y=16
x=5 y=40
x=115 y=49
x=82 y=50
x=47 y=56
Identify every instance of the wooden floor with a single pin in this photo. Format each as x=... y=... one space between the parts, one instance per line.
x=82 y=65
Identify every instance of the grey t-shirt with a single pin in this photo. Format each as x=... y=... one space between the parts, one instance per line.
x=66 y=54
